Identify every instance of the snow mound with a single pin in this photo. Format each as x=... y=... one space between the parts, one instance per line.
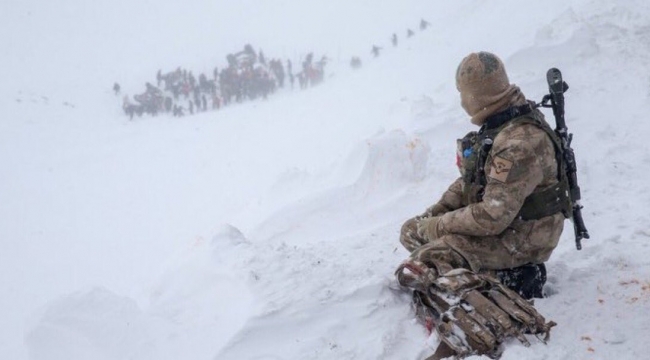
x=197 y=304
x=96 y=324
x=312 y=185
x=394 y=160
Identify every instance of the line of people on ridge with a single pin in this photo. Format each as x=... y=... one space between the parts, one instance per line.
x=248 y=75
x=355 y=62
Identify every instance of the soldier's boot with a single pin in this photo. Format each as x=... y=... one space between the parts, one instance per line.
x=527 y=280
x=475 y=312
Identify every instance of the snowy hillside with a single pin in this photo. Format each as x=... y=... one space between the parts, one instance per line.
x=269 y=229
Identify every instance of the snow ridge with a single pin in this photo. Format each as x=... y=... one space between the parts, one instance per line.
x=269 y=231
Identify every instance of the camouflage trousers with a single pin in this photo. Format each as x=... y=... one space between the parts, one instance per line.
x=477 y=253
x=456 y=293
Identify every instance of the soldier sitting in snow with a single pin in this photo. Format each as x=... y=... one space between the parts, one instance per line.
x=501 y=219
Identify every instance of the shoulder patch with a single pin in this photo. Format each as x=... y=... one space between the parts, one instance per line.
x=500 y=169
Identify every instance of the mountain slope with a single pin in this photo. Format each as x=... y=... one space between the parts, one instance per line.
x=269 y=230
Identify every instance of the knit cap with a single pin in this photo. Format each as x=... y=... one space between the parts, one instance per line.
x=484 y=87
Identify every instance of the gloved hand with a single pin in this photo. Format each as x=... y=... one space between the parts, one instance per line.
x=429 y=228
x=435 y=210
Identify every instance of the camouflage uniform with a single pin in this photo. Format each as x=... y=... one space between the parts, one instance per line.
x=487 y=233
x=482 y=229
x=486 y=230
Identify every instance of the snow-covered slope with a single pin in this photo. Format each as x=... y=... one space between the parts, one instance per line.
x=268 y=230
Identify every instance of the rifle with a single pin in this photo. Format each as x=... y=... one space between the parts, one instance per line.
x=557 y=88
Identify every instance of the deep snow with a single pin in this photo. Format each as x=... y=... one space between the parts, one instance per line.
x=268 y=230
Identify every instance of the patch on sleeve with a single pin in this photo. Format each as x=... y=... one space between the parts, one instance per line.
x=500 y=169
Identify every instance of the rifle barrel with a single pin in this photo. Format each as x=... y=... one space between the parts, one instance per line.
x=557 y=87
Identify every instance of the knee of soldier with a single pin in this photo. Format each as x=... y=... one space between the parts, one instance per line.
x=409 y=226
x=408 y=235
x=437 y=255
x=435 y=249
x=441 y=248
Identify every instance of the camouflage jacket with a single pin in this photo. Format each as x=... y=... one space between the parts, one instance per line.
x=521 y=161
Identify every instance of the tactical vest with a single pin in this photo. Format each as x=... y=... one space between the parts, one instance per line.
x=473 y=151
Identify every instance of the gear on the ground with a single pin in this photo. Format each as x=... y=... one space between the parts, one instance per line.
x=472 y=313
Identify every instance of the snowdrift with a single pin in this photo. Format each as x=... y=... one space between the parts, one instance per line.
x=269 y=230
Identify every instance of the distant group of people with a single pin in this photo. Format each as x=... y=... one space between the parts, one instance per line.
x=248 y=75
x=355 y=62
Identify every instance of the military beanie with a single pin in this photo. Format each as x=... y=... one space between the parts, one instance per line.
x=484 y=87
